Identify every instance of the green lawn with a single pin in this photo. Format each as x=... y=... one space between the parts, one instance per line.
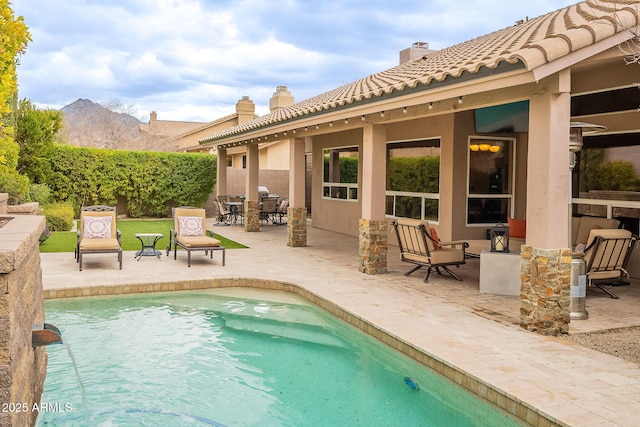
x=65 y=241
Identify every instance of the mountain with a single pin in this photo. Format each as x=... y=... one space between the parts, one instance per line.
x=90 y=124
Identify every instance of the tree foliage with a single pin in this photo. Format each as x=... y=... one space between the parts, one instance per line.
x=36 y=134
x=147 y=182
x=14 y=37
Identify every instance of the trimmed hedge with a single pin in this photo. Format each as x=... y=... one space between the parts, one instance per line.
x=59 y=216
x=148 y=182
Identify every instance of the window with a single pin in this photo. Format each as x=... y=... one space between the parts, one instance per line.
x=413 y=179
x=340 y=173
x=490 y=180
x=606 y=180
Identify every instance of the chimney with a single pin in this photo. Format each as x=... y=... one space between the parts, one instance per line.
x=246 y=109
x=153 y=116
x=417 y=50
x=280 y=99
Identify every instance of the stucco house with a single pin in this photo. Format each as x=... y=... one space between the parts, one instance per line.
x=492 y=115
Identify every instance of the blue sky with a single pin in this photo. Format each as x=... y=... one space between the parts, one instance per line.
x=193 y=59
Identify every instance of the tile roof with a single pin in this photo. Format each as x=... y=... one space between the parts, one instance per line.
x=531 y=43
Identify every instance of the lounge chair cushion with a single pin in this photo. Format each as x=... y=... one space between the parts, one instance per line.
x=191 y=226
x=198 y=241
x=99 y=244
x=583 y=225
x=434 y=235
x=95 y=227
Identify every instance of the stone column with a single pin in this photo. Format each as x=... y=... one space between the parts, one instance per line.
x=545 y=290
x=296 y=227
x=373 y=246
x=546 y=259
x=297 y=211
x=251 y=215
x=252 y=204
x=373 y=226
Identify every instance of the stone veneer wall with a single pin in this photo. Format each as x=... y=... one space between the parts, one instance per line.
x=30 y=208
x=373 y=246
x=22 y=367
x=545 y=290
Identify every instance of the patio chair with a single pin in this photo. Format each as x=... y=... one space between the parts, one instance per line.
x=236 y=209
x=189 y=225
x=223 y=213
x=281 y=212
x=606 y=256
x=98 y=233
x=268 y=209
x=419 y=245
x=94 y=208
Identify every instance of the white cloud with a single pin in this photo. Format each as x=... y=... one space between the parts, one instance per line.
x=193 y=59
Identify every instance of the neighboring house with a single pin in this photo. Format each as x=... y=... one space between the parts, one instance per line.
x=163 y=134
x=496 y=111
x=189 y=140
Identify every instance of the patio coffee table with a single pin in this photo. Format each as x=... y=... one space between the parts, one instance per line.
x=148 y=245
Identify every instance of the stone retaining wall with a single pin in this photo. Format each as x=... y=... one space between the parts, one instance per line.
x=22 y=367
x=4 y=200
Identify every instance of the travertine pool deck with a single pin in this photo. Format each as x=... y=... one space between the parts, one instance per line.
x=470 y=337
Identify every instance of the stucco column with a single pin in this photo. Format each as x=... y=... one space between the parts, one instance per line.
x=251 y=203
x=546 y=259
x=297 y=211
x=221 y=172
x=373 y=245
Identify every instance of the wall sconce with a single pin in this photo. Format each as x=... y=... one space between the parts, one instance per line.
x=430 y=106
x=382 y=114
x=363 y=118
x=294 y=131
x=331 y=124
x=317 y=126
x=275 y=135
x=404 y=110
x=346 y=121
x=459 y=100
x=499 y=236
x=306 y=128
x=284 y=133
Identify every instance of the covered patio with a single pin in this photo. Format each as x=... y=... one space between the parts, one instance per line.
x=532 y=80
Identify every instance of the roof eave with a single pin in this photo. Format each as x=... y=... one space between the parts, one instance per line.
x=465 y=77
x=573 y=58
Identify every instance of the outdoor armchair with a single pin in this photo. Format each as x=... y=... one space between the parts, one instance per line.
x=98 y=233
x=189 y=233
x=268 y=209
x=420 y=246
x=606 y=256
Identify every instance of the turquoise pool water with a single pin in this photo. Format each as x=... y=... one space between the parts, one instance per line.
x=202 y=358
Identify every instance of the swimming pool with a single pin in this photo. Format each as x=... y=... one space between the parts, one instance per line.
x=206 y=358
